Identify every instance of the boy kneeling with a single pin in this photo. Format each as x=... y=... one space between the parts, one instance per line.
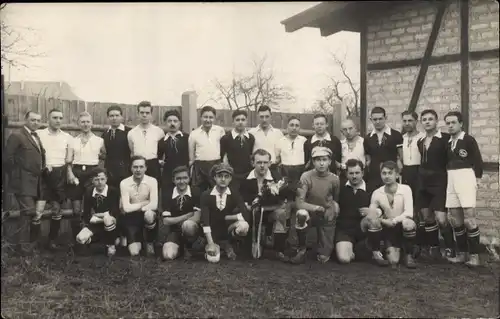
x=180 y=215
x=317 y=198
x=101 y=206
x=224 y=215
x=395 y=225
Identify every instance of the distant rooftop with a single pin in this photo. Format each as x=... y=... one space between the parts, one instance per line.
x=56 y=90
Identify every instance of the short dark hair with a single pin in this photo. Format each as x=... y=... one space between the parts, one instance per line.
x=239 y=112
x=352 y=162
x=54 y=110
x=293 y=117
x=378 y=109
x=208 y=108
x=412 y=113
x=389 y=165
x=136 y=158
x=114 y=108
x=171 y=113
x=144 y=104
x=429 y=111
x=264 y=108
x=318 y=115
x=455 y=113
x=96 y=171
x=261 y=152
x=180 y=169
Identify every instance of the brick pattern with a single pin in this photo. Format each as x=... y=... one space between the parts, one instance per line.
x=483 y=25
x=392 y=89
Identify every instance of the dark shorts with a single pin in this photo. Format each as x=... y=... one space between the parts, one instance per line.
x=238 y=178
x=83 y=173
x=292 y=174
x=201 y=174
x=410 y=177
x=173 y=234
x=431 y=191
x=350 y=234
x=393 y=236
x=54 y=184
x=133 y=226
x=154 y=169
x=117 y=171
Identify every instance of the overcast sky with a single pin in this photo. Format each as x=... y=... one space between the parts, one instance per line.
x=128 y=52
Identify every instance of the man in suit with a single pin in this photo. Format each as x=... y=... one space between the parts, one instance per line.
x=24 y=161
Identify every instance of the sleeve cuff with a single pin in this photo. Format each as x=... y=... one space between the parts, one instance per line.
x=166 y=214
x=240 y=217
x=207 y=229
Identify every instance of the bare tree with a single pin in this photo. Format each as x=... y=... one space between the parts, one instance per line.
x=15 y=48
x=251 y=91
x=341 y=90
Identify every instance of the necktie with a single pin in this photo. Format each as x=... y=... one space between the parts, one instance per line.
x=241 y=138
x=173 y=143
x=112 y=134
x=37 y=139
x=99 y=200
x=181 y=200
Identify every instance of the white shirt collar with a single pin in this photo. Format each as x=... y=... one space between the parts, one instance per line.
x=167 y=135
x=459 y=137
x=176 y=194
x=268 y=176
x=235 y=134
x=437 y=134
x=120 y=127
x=317 y=138
x=361 y=186
x=216 y=192
x=387 y=131
x=358 y=139
x=104 y=192
x=259 y=128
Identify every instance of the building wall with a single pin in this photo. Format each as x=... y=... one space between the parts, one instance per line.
x=403 y=34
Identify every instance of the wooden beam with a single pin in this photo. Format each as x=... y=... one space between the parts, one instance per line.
x=493 y=167
x=5 y=122
x=424 y=66
x=363 y=60
x=464 y=63
x=308 y=17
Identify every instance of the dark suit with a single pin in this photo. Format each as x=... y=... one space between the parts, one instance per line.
x=23 y=162
x=117 y=161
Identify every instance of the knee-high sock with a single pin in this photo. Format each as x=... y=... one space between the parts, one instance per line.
x=473 y=240
x=432 y=234
x=447 y=233
x=302 y=238
x=35 y=229
x=461 y=238
x=409 y=237
x=280 y=241
x=55 y=225
x=421 y=238
x=151 y=231
x=374 y=236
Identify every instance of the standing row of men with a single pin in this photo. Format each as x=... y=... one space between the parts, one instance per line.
x=44 y=161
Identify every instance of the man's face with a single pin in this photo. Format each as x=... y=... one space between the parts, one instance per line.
x=321 y=163
x=454 y=126
x=293 y=127
x=378 y=120
x=207 y=119
x=261 y=164
x=349 y=130
x=429 y=122
x=139 y=168
x=145 y=114
x=55 y=120
x=265 y=118
x=115 y=118
x=173 y=123
x=320 y=125
x=389 y=176
x=85 y=123
x=409 y=123
x=223 y=179
x=240 y=122
x=100 y=181
x=33 y=121
x=355 y=175
x=181 y=181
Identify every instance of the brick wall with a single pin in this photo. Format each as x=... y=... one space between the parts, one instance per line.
x=403 y=34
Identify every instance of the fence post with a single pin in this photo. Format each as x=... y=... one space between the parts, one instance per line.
x=189 y=113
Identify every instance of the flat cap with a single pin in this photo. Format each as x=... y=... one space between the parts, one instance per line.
x=321 y=151
x=222 y=167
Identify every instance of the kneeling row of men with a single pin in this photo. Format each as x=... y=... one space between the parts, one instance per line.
x=342 y=214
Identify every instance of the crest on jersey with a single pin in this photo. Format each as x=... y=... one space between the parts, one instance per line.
x=462 y=153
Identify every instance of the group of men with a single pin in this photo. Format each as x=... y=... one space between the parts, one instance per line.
x=141 y=185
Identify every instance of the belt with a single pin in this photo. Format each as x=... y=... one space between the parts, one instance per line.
x=84 y=167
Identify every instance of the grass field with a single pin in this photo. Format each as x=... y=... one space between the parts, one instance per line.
x=64 y=286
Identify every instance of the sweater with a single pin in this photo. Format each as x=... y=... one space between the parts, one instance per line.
x=315 y=190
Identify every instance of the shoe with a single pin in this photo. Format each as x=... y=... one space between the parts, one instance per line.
x=323 y=259
x=111 y=250
x=231 y=255
x=410 y=262
x=435 y=253
x=425 y=253
x=473 y=260
x=269 y=241
x=187 y=254
x=416 y=251
x=460 y=258
x=150 y=249
x=282 y=257
x=300 y=257
x=379 y=259
x=493 y=253
x=449 y=253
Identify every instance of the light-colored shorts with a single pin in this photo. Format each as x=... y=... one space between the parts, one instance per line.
x=461 y=189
